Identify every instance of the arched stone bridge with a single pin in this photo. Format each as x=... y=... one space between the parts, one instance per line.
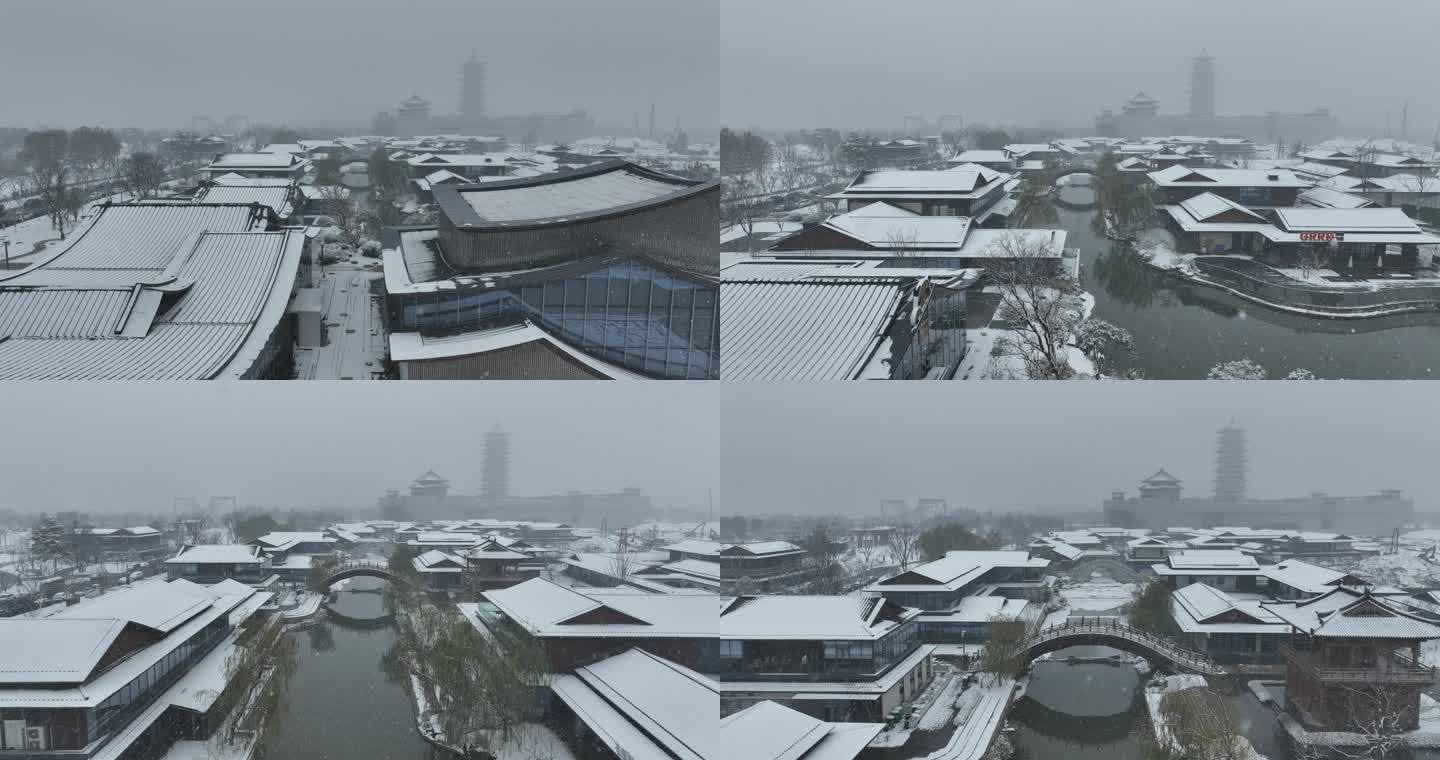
x=1073 y=169
x=355 y=568
x=1161 y=653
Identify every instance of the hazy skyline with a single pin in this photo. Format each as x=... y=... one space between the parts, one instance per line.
x=840 y=448
x=157 y=63
x=120 y=446
x=855 y=63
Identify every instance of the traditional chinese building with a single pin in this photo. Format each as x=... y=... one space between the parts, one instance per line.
x=1353 y=659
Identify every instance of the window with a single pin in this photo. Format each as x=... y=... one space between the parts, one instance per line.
x=731 y=649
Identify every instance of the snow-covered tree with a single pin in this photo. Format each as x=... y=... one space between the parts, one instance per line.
x=1301 y=374
x=1040 y=307
x=1241 y=369
x=48 y=541
x=1103 y=342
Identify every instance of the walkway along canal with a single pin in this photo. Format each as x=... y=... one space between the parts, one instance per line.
x=1182 y=330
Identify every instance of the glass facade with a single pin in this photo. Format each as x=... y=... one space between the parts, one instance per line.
x=114 y=712
x=626 y=313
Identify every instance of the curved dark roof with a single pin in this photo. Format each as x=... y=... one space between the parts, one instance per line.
x=610 y=188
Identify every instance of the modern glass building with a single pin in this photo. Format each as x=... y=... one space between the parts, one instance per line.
x=623 y=291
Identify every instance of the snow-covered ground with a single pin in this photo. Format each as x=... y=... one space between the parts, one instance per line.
x=356 y=344
x=1099 y=595
x=1405 y=569
x=979 y=712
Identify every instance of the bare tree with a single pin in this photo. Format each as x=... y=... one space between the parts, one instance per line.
x=1040 y=307
x=622 y=560
x=1201 y=724
x=142 y=174
x=1364 y=160
x=1377 y=730
x=61 y=199
x=339 y=207
x=904 y=545
x=901 y=241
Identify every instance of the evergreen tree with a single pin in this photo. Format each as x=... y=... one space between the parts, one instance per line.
x=48 y=540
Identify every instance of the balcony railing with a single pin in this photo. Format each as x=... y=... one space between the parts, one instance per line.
x=1399 y=670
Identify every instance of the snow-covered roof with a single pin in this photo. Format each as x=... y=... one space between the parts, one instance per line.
x=1311 y=579
x=1350 y=613
x=229 y=554
x=1319 y=170
x=1199 y=608
x=807 y=330
x=695 y=546
x=645 y=707
x=760 y=548
x=416 y=346
x=955 y=570
x=1385 y=220
x=446 y=538
x=47 y=650
x=494 y=550
x=882 y=225
x=436 y=561
x=93 y=310
x=1184 y=176
x=611 y=187
x=550 y=610
x=770 y=731
x=82 y=628
x=981 y=157
x=1207 y=205
x=696 y=567
x=979 y=609
x=244 y=161
x=952 y=183
x=1325 y=197
x=1219 y=559
x=281 y=540
x=810 y=617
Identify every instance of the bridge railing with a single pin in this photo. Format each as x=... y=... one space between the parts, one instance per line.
x=1109 y=627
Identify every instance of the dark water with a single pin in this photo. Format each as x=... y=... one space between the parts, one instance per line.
x=1084 y=711
x=1182 y=331
x=340 y=705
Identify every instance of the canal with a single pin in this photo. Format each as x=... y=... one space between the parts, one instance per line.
x=1181 y=331
x=1083 y=710
x=341 y=703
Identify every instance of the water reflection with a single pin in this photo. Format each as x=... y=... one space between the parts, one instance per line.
x=342 y=704
x=1181 y=331
x=1089 y=710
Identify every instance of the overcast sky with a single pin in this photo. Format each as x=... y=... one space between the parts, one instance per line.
x=841 y=448
x=157 y=63
x=104 y=446
x=861 y=63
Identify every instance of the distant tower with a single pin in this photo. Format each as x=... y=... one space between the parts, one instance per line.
x=412 y=118
x=1230 y=463
x=472 y=94
x=430 y=485
x=1161 y=485
x=652 y=122
x=495 y=482
x=1202 y=86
